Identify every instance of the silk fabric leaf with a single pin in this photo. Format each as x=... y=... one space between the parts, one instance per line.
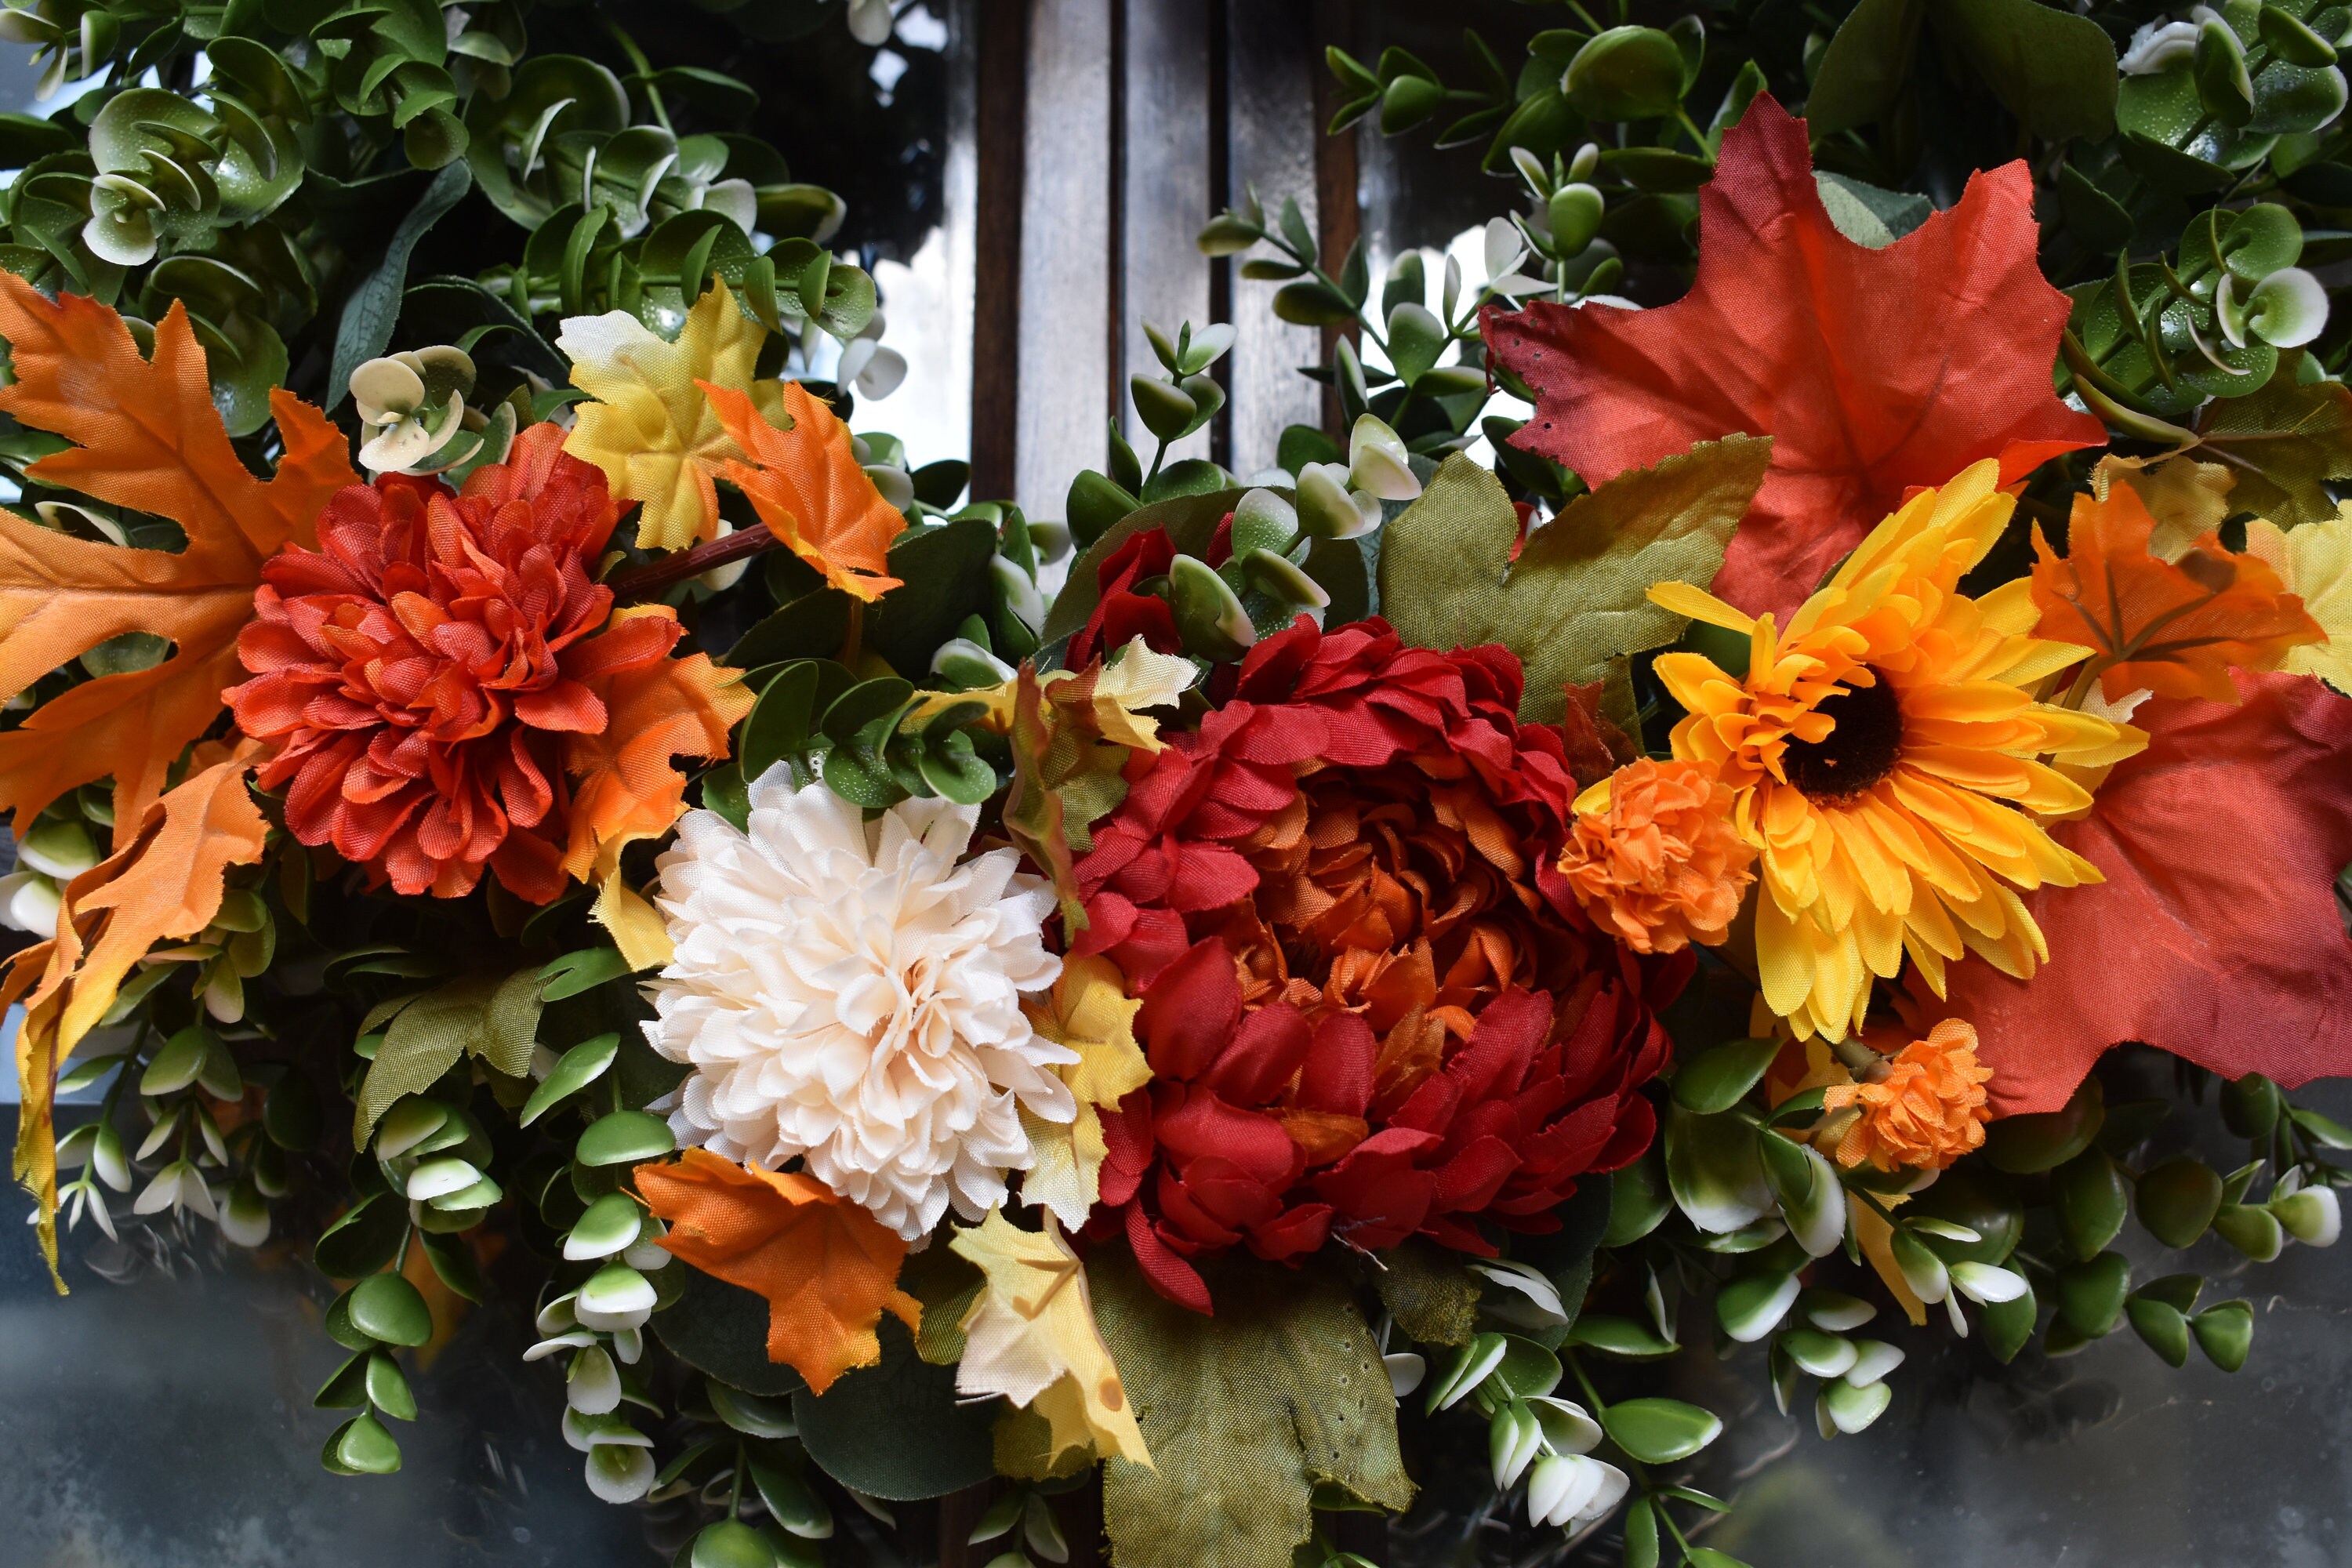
x=1576 y=595
x=1030 y=1335
x=494 y=1020
x=1089 y=1012
x=2173 y=629
x=2282 y=441
x=2314 y=562
x=1243 y=1412
x=2186 y=497
x=808 y=486
x=147 y=438
x=650 y=428
x=626 y=785
x=2215 y=935
x=1874 y=371
x=827 y=1268
x=165 y=884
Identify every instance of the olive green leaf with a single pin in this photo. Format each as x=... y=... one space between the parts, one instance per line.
x=2281 y=442
x=1433 y=1296
x=495 y=1020
x=1243 y=1412
x=1578 y=596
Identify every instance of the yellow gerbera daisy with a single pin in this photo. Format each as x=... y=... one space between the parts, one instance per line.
x=1885 y=755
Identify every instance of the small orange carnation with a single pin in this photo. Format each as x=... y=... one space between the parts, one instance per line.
x=1925 y=1111
x=1653 y=858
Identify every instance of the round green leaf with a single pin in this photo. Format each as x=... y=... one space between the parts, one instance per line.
x=388 y=1308
x=361 y=1447
x=2178 y=1198
x=2008 y=1325
x=722 y=1329
x=1660 y=1431
x=1718 y=1079
x=362 y=1241
x=1751 y=1308
x=612 y=1223
x=2254 y=1231
x=2163 y=1326
x=2024 y=1145
x=175 y=1067
x=578 y=1067
x=730 y=1543
x=1626 y=73
x=625 y=1138
x=2225 y=1332
x=2091 y=1200
x=897 y=1430
x=2091 y=1294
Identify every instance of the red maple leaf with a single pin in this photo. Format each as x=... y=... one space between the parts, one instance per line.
x=1873 y=371
x=2215 y=935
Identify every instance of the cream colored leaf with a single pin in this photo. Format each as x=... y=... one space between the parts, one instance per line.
x=1137 y=680
x=2314 y=562
x=1030 y=1335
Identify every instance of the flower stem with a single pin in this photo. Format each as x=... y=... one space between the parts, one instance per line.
x=649 y=581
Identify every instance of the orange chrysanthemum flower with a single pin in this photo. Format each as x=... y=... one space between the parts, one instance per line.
x=1926 y=1112
x=1653 y=858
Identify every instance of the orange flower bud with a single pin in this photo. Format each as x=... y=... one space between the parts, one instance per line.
x=1653 y=858
x=1926 y=1112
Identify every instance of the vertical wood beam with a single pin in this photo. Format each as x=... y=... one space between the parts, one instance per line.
x=1164 y=194
x=1000 y=34
x=1273 y=63
x=1067 y=248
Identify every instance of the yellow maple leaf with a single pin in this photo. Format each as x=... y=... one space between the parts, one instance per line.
x=148 y=438
x=1030 y=1335
x=1091 y=1013
x=650 y=428
x=2314 y=562
x=165 y=883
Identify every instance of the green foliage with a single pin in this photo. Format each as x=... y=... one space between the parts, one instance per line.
x=1244 y=1413
x=1577 y=596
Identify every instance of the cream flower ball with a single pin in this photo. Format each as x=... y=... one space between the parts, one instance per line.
x=849 y=993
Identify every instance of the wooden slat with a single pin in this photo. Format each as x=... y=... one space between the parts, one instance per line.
x=1271 y=62
x=997 y=31
x=1164 y=194
x=1064 y=355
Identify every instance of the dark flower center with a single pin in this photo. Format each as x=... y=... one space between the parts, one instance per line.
x=1861 y=750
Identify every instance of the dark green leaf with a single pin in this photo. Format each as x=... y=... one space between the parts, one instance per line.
x=1719 y=1079
x=897 y=1430
x=722 y=1329
x=369 y=313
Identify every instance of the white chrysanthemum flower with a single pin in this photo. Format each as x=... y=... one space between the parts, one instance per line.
x=850 y=992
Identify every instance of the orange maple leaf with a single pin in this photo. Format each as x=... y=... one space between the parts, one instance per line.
x=2171 y=628
x=165 y=883
x=654 y=710
x=827 y=1268
x=147 y=438
x=808 y=488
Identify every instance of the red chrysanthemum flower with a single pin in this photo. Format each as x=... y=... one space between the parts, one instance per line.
x=1373 y=1005
x=420 y=669
x=1121 y=613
